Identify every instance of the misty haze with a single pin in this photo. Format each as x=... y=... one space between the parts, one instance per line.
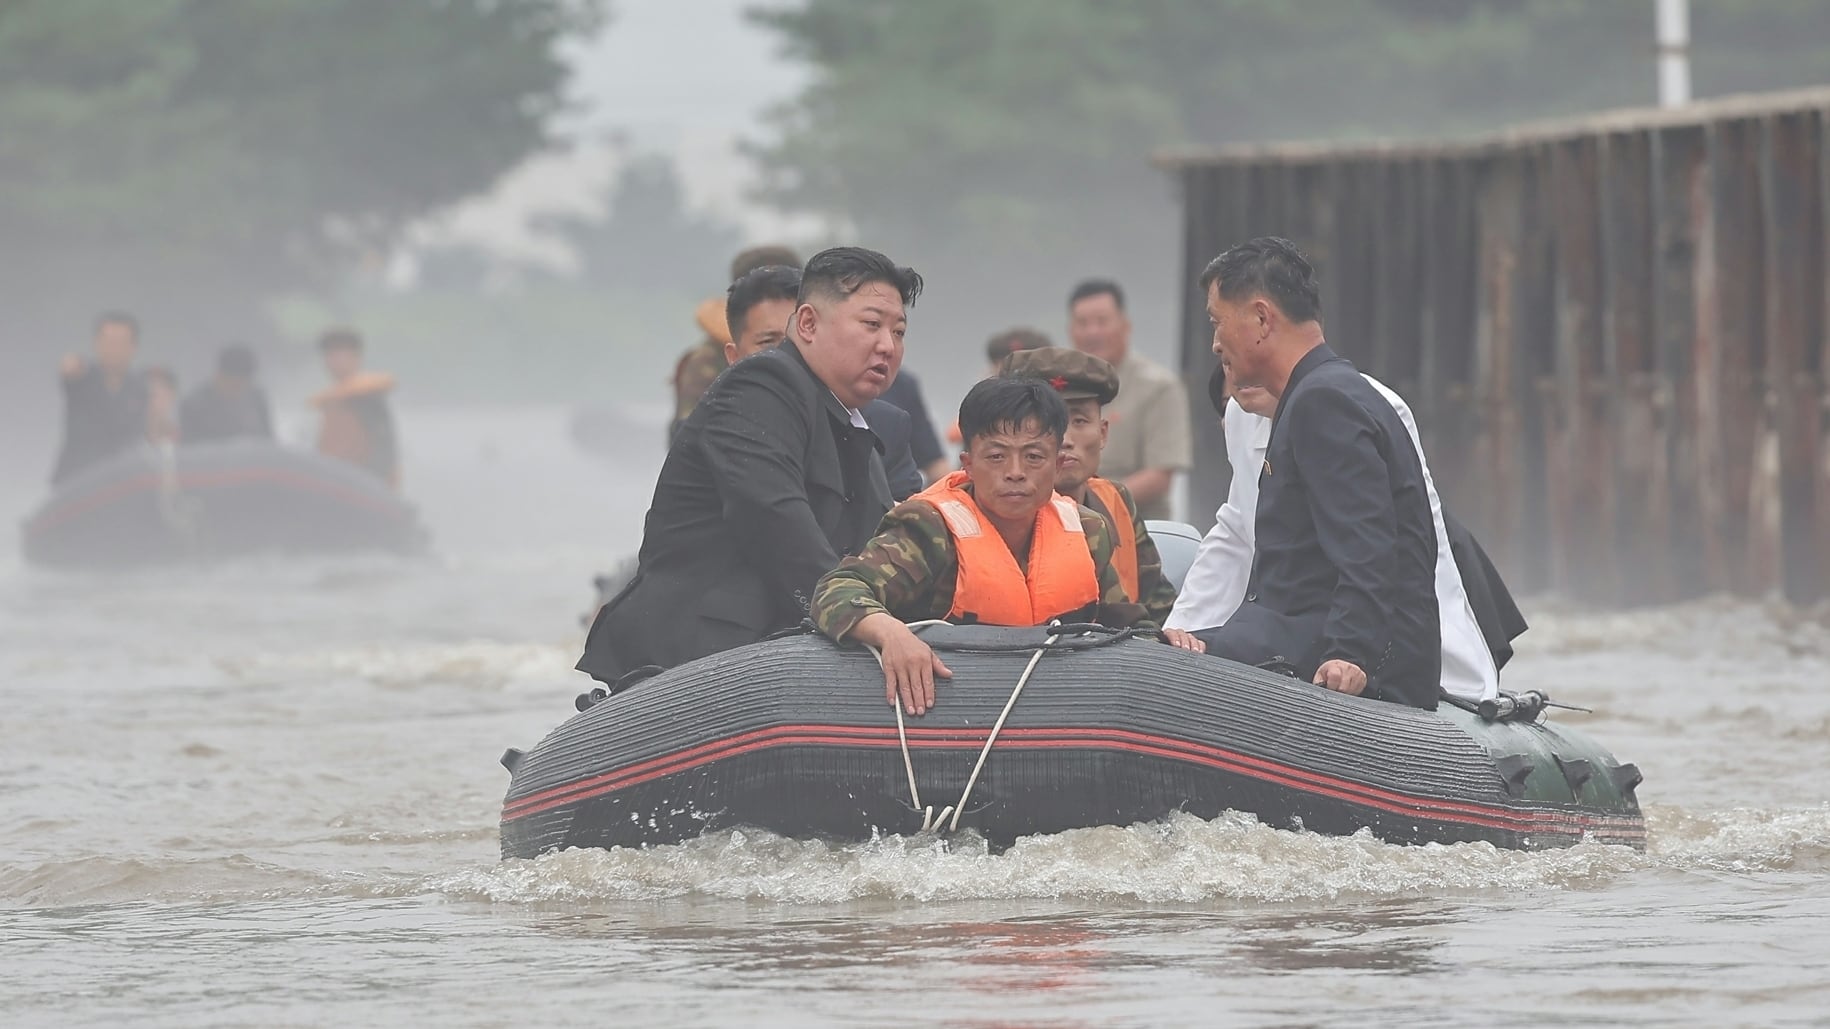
x=461 y=449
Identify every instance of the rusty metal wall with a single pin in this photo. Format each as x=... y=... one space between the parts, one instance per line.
x=1612 y=332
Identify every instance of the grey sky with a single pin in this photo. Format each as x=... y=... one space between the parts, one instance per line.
x=687 y=78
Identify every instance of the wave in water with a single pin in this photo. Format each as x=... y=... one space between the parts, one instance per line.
x=1183 y=859
x=1180 y=860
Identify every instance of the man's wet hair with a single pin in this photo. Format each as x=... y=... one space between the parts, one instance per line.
x=1004 y=404
x=118 y=317
x=340 y=339
x=1097 y=288
x=1269 y=266
x=1008 y=342
x=161 y=374
x=753 y=258
x=837 y=273
x=770 y=282
x=236 y=360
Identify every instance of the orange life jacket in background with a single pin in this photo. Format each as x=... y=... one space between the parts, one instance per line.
x=992 y=589
x=1124 y=534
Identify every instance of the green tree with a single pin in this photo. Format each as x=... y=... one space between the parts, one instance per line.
x=188 y=158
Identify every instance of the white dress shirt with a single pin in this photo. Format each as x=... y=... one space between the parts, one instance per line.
x=1215 y=585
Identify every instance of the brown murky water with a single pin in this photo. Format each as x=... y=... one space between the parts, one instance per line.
x=266 y=794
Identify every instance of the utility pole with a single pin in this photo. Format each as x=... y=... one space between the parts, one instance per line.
x=1673 y=53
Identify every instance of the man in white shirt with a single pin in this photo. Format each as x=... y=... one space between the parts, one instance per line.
x=1216 y=582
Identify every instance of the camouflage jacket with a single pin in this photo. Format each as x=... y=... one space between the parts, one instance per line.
x=1159 y=593
x=693 y=375
x=909 y=569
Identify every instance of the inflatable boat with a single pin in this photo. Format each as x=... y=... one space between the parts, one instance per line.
x=216 y=500
x=1044 y=730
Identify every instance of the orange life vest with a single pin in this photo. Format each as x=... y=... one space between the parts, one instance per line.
x=992 y=589
x=1124 y=534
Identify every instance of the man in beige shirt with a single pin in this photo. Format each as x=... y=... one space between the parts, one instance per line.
x=1149 y=440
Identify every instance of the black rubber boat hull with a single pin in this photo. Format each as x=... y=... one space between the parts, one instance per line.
x=793 y=736
x=217 y=500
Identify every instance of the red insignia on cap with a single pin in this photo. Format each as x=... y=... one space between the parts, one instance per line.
x=1059 y=382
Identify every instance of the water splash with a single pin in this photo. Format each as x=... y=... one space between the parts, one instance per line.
x=1183 y=859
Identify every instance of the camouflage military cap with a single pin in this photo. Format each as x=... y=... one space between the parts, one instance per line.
x=1076 y=376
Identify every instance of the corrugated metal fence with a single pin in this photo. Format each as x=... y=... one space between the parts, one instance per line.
x=1611 y=332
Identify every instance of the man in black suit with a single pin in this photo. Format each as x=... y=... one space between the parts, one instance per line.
x=771 y=480
x=758 y=307
x=1342 y=586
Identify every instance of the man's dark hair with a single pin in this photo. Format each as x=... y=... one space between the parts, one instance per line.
x=841 y=271
x=1008 y=342
x=1270 y=266
x=1004 y=404
x=236 y=361
x=1097 y=288
x=771 y=282
x=753 y=258
x=118 y=318
x=340 y=339
x=162 y=374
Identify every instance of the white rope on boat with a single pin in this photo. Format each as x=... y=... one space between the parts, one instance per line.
x=930 y=820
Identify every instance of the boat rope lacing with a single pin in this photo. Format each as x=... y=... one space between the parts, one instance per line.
x=930 y=820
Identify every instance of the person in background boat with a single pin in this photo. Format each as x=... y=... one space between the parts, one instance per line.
x=1215 y=584
x=757 y=310
x=1343 y=578
x=229 y=406
x=105 y=399
x=161 y=406
x=999 y=347
x=990 y=544
x=357 y=425
x=705 y=360
x=1086 y=384
x=1149 y=439
x=770 y=481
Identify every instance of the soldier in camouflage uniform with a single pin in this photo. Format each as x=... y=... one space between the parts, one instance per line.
x=704 y=361
x=913 y=569
x=1087 y=384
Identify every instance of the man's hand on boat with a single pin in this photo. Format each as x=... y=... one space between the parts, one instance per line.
x=1182 y=639
x=1341 y=677
x=909 y=665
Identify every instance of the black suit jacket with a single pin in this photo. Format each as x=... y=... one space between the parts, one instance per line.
x=765 y=487
x=904 y=391
x=1344 y=532
x=893 y=426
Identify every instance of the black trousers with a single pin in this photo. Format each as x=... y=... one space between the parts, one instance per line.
x=1256 y=635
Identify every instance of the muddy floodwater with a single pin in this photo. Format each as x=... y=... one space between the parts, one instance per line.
x=266 y=794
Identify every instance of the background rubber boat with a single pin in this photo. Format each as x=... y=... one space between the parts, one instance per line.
x=792 y=735
x=216 y=500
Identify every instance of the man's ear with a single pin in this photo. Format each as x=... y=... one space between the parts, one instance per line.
x=806 y=319
x=730 y=353
x=1104 y=427
x=965 y=462
x=1265 y=313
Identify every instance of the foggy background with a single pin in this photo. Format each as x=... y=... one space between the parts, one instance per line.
x=519 y=202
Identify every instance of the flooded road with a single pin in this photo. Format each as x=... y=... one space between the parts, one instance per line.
x=267 y=793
